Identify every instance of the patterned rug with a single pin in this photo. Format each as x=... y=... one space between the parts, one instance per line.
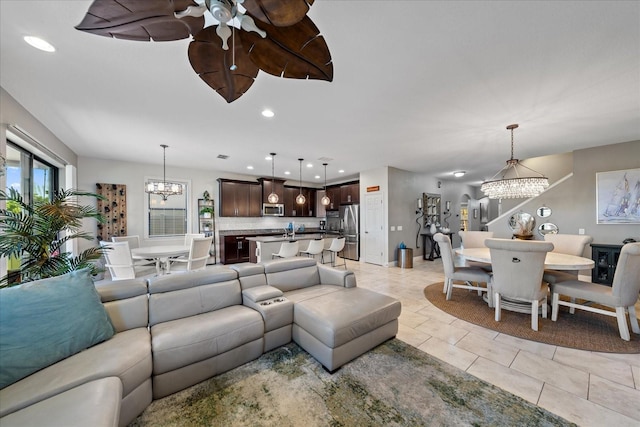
x=392 y=385
x=583 y=330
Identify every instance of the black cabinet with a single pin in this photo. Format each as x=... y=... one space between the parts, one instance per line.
x=234 y=249
x=606 y=259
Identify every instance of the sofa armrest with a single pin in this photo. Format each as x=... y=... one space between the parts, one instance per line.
x=261 y=293
x=333 y=276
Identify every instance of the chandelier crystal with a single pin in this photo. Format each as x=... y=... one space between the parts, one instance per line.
x=273 y=197
x=163 y=188
x=300 y=199
x=325 y=199
x=511 y=184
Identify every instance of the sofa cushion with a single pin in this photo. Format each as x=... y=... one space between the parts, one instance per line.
x=339 y=317
x=45 y=321
x=299 y=295
x=189 y=340
x=95 y=404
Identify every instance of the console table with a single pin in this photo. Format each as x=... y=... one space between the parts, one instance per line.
x=434 y=251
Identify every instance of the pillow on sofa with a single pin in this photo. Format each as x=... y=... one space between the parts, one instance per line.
x=45 y=321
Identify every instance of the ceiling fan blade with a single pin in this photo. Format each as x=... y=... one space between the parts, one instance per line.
x=140 y=20
x=280 y=13
x=212 y=64
x=295 y=52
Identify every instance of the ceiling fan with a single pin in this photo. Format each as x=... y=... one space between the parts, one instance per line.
x=275 y=36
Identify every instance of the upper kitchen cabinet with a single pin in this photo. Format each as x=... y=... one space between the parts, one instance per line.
x=350 y=193
x=269 y=185
x=240 y=198
x=334 y=197
x=291 y=208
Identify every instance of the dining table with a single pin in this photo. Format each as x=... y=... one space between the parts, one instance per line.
x=553 y=261
x=161 y=253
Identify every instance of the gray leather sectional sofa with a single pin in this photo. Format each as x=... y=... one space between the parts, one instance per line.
x=176 y=330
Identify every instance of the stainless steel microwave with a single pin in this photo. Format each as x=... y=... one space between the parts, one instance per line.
x=272 y=209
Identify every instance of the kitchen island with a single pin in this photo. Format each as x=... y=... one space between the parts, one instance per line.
x=261 y=247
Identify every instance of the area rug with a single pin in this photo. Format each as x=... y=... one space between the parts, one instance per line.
x=583 y=330
x=392 y=385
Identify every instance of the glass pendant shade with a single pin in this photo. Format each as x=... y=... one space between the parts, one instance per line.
x=273 y=197
x=300 y=199
x=325 y=199
x=163 y=188
x=511 y=184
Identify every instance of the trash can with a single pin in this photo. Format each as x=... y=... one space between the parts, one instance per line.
x=405 y=257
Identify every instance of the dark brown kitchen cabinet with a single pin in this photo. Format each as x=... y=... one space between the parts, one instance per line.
x=350 y=193
x=240 y=198
x=268 y=185
x=334 y=197
x=291 y=208
x=234 y=249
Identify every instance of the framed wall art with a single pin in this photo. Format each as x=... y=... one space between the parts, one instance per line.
x=618 y=197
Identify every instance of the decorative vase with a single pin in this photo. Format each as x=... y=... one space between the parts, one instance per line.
x=433 y=229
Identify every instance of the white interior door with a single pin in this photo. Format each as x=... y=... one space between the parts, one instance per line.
x=374 y=230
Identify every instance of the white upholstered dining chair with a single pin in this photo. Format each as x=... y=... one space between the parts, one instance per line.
x=467 y=275
x=197 y=258
x=120 y=264
x=475 y=239
x=570 y=244
x=189 y=237
x=518 y=266
x=622 y=295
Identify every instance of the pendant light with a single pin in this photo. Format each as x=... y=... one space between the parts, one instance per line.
x=163 y=188
x=511 y=185
x=300 y=199
x=325 y=199
x=273 y=197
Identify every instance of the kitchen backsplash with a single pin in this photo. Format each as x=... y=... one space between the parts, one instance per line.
x=245 y=223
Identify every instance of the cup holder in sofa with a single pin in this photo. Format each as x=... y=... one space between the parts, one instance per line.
x=272 y=301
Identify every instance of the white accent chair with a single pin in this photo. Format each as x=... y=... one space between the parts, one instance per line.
x=337 y=245
x=622 y=295
x=468 y=275
x=316 y=247
x=287 y=250
x=570 y=244
x=119 y=262
x=197 y=258
x=518 y=266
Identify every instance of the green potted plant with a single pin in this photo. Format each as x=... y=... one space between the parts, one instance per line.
x=35 y=234
x=206 y=196
x=206 y=211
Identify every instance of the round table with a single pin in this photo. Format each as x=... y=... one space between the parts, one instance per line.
x=161 y=253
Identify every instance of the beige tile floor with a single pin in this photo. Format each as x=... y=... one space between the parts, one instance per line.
x=588 y=388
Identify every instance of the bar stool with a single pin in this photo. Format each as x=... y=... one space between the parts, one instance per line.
x=287 y=250
x=337 y=245
x=316 y=247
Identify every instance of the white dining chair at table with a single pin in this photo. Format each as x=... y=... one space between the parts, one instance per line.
x=287 y=250
x=133 y=240
x=119 y=262
x=197 y=258
x=189 y=237
x=570 y=244
x=475 y=239
x=316 y=247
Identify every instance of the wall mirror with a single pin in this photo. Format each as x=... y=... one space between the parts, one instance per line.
x=543 y=211
x=547 y=228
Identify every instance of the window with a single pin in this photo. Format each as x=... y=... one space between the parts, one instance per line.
x=33 y=177
x=170 y=217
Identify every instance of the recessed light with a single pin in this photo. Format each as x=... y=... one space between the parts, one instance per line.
x=317 y=176
x=250 y=167
x=268 y=158
x=458 y=174
x=341 y=171
x=38 y=43
x=309 y=165
x=268 y=113
x=287 y=173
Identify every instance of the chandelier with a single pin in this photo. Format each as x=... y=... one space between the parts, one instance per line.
x=163 y=188
x=273 y=197
x=300 y=199
x=512 y=184
x=325 y=199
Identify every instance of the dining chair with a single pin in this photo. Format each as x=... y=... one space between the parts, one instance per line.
x=570 y=244
x=316 y=247
x=337 y=245
x=134 y=240
x=475 y=239
x=287 y=250
x=468 y=275
x=622 y=295
x=197 y=258
x=518 y=266
x=119 y=262
x=189 y=237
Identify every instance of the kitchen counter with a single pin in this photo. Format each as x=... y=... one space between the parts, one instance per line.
x=262 y=247
x=267 y=232
x=281 y=238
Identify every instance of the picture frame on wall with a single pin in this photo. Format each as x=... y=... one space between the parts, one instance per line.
x=618 y=197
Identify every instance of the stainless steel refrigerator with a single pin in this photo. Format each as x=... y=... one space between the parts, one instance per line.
x=350 y=216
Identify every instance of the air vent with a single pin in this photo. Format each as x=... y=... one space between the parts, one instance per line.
x=223 y=156
x=325 y=159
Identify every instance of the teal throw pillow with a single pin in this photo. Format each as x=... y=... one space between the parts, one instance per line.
x=45 y=321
